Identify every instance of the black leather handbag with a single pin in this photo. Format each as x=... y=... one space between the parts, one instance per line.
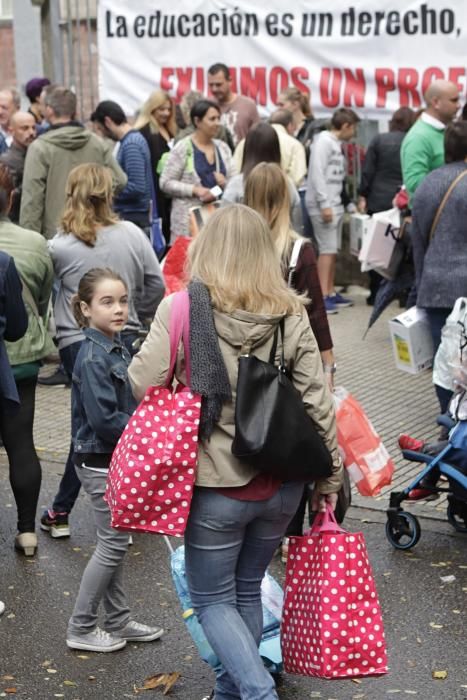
x=273 y=431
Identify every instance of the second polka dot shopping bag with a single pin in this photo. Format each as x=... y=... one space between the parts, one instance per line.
x=153 y=467
x=331 y=621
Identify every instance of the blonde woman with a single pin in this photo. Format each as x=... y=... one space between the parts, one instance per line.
x=156 y=122
x=267 y=191
x=237 y=517
x=298 y=103
x=91 y=236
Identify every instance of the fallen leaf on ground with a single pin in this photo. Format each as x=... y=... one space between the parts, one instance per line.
x=435 y=626
x=82 y=656
x=11 y=616
x=7 y=678
x=439 y=675
x=456 y=612
x=51 y=670
x=70 y=684
x=167 y=680
x=356 y=680
x=44 y=664
x=11 y=691
x=448 y=579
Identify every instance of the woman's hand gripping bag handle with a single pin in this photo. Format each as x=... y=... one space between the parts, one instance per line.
x=331 y=623
x=153 y=468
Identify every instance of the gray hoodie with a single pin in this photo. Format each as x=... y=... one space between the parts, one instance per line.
x=124 y=248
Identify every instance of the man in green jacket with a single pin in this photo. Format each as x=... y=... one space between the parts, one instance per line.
x=51 y=157
x=423 y=148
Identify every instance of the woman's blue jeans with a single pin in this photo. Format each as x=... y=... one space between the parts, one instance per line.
x=228 y=546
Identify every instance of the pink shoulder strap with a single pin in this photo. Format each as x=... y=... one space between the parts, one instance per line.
x=179 y=329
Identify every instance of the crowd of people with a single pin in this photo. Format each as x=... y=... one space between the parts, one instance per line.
x=79 y=272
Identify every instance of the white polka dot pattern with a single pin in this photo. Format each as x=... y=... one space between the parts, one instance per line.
x=153 y=467
x=331 y=622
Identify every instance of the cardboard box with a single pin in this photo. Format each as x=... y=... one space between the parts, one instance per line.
x=411 y=341
x=358 y=224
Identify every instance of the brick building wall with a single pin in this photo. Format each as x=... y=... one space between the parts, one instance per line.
x=7 y=54
x=82 y=77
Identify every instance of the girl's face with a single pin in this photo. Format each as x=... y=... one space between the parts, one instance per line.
x=209 y=124
x=162 y=114
x=108 y=310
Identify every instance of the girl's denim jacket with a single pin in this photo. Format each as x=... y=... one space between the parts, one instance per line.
x=102 y=402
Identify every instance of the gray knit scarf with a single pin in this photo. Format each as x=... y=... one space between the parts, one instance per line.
x=208 y=371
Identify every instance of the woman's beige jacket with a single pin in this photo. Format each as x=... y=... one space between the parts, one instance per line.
x=241 y=332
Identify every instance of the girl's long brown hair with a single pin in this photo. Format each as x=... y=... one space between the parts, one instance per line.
x=88 y=204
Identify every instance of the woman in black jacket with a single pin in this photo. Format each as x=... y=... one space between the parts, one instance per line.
x=156 y=122
x=382 y=174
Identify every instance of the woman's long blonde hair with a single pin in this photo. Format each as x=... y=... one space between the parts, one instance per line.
x=156 y=99
x=234 y=257
x=88 y=204
x=267 y=192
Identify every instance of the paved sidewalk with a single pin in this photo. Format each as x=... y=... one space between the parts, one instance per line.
x=395 y=401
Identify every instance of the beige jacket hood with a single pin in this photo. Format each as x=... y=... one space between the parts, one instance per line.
x=240 y=332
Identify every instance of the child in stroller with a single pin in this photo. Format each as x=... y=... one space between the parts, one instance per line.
x=445 y=459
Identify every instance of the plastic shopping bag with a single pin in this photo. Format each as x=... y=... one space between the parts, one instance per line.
x=331 y=622
x=364 y=455
x=450 y=363
x=379 y=240
x=271 y=597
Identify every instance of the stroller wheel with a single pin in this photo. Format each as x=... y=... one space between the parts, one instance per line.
x=456 y=518
x=403 y=530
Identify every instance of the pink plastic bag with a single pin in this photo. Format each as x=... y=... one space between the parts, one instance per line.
x=331 y=619
x=363 y=452
x=153 y=468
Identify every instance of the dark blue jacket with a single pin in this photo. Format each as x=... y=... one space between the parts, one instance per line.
x=133 y=156
x=13 y=325
x=102 y=402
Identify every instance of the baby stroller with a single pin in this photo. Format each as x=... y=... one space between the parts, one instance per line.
x=403 y=528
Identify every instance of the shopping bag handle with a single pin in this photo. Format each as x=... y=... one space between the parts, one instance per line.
x=325 y=522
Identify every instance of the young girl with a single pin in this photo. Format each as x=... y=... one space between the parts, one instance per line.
x=102 y=404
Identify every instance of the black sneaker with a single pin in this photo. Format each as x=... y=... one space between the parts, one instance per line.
x=58 y=378
x=55 y=523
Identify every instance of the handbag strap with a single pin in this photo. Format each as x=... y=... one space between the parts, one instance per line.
x=443 y=202
x=179 y=329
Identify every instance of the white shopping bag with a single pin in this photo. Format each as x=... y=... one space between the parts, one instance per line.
x=358 y=225
x=380 y=238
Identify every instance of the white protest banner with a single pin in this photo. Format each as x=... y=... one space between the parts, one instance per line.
x=371 y=56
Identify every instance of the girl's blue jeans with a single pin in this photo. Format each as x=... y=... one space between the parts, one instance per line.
x=228 y=546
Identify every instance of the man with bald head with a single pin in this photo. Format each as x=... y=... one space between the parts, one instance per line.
x=23 y=132
x=423 y=148
x=10 y=103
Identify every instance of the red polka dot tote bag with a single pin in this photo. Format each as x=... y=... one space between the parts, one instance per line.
x=331 y=622
x=153 y=467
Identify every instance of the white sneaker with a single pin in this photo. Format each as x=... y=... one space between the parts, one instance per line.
x=97 y=640
x=2 y=607
x=137 y=632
